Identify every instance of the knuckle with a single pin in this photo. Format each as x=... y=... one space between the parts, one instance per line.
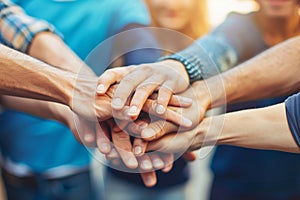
x=144 y=87
x=128 y=80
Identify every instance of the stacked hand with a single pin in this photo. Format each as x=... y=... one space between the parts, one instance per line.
x=141 y=103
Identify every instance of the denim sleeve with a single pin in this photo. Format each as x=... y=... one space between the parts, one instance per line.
x=206 y=57
x=232 y=42
x=292 y=105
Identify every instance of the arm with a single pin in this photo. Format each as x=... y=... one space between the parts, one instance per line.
x=24 y=76
x=215 y=52
x=264 y=128
x=82 y=130
x=37 y=38
x=272 y=73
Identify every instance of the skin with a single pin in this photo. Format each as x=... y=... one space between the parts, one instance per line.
x=51 y=49
x=269 y=25
x=267 y=128
x=238 y=86
x=274 y=30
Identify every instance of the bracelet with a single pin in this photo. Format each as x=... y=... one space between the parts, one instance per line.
x=191 y=63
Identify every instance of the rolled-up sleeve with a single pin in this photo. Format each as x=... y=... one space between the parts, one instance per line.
x=292 y=105
x=17 y=29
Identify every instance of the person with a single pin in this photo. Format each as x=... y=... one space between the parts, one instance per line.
x=188 y=18
x=267 y=128
x=272 y=128
x=257 y=31
x=18 y=31
x=21 y=160
x=20 y=77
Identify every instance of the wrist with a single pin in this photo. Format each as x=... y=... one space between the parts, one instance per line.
x=81 y=98
x=178 y=67
x=191 y=64
x=202 y=93
x=200 y=134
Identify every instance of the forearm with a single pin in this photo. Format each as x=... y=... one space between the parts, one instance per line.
x=24 y=76
x=42 y=109
x=48 y=47
x=272 y=73
x=264 y=128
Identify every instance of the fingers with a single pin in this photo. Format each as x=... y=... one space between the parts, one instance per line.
x=178 y=118
x=110 y=77
x=164 y=95
x=149 y=178
x=180 y=101
x=168 y=160
x=83 y=130
x=157 y=161
x=169 y=115
x=189 y=156
x=137 y=126
x=126 y=87
x=112 y=155
x=174 y=142
x=141 y=94
x=139 y=146
x=103 y=140
x=145 y=163
x=123 y=145
x=158 y=129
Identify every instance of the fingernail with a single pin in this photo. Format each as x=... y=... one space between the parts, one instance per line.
x=113 y=153
x=104 y=146
x=186 y=99
x=146 y=164
x=158 y=163
x=132 y=110
x=148 y=133
x=132 y=162
x=138 y=150
x=186 y=122
x=117 y=102
x=100 y=88
x=142 y=126
x=160 y=109
x=89 y=138
x=149 y=180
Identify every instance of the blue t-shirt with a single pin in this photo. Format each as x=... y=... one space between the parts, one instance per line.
x=292 y=105
x=44 y=144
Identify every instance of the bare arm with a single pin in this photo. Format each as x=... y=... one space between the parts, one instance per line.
x=24 y=76
x=272 y=73
x=50 y=48
x=264 y=128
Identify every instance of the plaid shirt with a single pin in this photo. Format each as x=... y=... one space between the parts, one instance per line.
x=17 y=29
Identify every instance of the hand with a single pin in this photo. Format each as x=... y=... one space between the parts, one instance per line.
x=104 y=110
x=83 y=130
x=158 y=128
x=167 y=77
x=121 y=150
